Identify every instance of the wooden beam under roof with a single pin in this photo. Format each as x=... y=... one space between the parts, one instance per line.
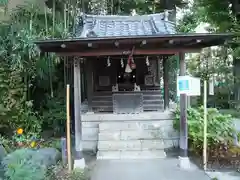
x=86 y=47
x=115 y=52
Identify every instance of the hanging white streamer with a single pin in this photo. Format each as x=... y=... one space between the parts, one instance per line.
x=128 y=69
x=108 y=62
x=147 y=61
x=122 y=63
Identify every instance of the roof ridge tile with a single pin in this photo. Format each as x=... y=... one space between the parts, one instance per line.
x=114 y=25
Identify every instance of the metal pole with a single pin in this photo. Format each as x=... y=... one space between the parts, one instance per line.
x=68 y=130
x=205 y=127
x=183 y=113
x=166 y=83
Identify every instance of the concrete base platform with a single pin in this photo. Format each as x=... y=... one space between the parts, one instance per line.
x=184 y=163
x=147 y=154
x=79 y=163
x=161 y=169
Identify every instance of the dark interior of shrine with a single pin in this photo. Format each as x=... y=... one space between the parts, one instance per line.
x=108 y=77
x=111 y=70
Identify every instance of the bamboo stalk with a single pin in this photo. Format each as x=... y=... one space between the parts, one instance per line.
x=50 y=74
x=65 y=20
x=64 y=70
x=52 y=57
x=112 y=7
x=74 y=16
x=53 y=18
x=46 y=21
x=83 y=7
x=68 y=14
x=69 y=156
x=29 y=54
x=119 y=6
x=205 y=127
x=154 y=7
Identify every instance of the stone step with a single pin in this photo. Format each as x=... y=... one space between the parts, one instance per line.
x=135 y=125
x=131 y=145
x=153 y=116
x=162 y=133
x=147 y=154
x=145 y=92
x=100 y=102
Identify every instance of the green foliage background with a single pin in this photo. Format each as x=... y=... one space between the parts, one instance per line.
x=32 y=93
x=32 y=84
x=222 y=17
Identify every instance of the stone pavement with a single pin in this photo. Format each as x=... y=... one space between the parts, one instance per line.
x=149 y=169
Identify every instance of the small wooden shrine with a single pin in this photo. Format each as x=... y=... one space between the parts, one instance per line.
x=124 y=58
x=121 y=62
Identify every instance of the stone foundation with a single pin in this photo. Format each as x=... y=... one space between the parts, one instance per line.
x=129 y=132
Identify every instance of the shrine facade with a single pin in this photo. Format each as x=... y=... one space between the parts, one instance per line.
x=121 y=81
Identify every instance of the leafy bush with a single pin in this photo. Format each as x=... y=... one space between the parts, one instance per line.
x=54 y=114
x=6 y=143
x=28 y=164
x=219 y=131
x=55 y=143
x=15 y=110
x=20 y=165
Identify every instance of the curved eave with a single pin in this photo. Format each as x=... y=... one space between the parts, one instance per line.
x=170 y=41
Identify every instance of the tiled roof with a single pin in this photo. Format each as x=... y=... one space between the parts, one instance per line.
x=113 y=25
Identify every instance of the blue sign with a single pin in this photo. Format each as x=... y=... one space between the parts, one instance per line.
x=188 y=85
x=183 y=85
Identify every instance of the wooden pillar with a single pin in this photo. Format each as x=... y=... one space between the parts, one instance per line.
x=89 y=76
x=159 y=73
x=166 y=84
x=77 y=108
x=183 y=113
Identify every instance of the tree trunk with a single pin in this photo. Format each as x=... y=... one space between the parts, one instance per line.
x=236 y=62
x=236 y=74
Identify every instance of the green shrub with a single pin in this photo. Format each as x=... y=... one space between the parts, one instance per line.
x=55 y=143
x=20 y=165
x=6 y=143
x=15 y=110
x=54 y=114
x=28 y=164
x=220 y=128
